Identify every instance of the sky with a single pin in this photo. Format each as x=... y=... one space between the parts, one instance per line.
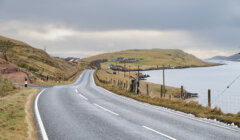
x=83 y=28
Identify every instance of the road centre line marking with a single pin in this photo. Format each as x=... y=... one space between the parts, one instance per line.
x=106 y=109
x=83 y=97
x=43 y=131
x=159 y=132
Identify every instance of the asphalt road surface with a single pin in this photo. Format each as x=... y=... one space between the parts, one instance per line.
x=84 y=111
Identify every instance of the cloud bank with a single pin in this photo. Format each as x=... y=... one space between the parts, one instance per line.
x=87 y=27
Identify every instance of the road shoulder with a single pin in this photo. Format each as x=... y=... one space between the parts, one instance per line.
x=14 y=117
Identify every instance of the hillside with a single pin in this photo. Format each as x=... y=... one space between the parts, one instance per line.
x=37 y=63
x=219 y=58
x=151 y=59
x=234 y=57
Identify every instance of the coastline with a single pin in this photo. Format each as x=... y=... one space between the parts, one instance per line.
x=178 y=67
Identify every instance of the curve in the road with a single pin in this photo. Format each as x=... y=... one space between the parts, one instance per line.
x=85 y=111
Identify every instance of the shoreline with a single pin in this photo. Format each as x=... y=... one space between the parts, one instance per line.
x=179 y=67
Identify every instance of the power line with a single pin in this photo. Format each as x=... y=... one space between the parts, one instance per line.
x=226 y=88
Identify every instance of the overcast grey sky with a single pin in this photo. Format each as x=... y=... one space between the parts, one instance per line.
x=82 y=28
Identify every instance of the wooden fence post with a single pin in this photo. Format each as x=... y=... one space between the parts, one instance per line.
x=182 y=92
x=161 y=91
x=147 y=89
x=209 y=98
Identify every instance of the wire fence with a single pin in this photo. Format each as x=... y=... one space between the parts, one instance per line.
x=224 y=97
x=227 y=103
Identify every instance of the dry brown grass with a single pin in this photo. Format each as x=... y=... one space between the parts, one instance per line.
x=153 y=89
x=38 y=63
x=13 y=124
x=5 y=86
x=54 y=83
x=191 y=107
x=32 y=130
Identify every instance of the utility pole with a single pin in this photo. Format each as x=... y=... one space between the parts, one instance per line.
x=138 y=73
x=163 y=81
x=45 y=49
x=129 y=70
x=124 y=68
x=209 y=98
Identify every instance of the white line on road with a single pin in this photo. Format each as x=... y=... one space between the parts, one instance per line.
x=43 y=131
x=106 y=109
x=158 y=132
x=83 y=97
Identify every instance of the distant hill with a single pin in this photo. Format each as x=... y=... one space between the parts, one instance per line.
x=219 y=58
x=38 y=63
x=149 y=58
x=235 y=57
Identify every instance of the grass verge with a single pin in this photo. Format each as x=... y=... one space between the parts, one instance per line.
x=191 y=107
x=5 y=86
x=54 y=83
x=147 y=88
x=16 y=116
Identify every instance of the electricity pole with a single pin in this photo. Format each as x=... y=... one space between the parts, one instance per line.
x=124 y=68
x=129 y=69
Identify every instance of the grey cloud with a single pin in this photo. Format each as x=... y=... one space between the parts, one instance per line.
x=211 y=23
x=112 y=14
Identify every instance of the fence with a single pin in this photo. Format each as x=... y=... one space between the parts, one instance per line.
x=229 y=102
x=123 y=83
x=149 y=89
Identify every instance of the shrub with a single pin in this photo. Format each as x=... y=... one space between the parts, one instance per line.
x=28 y=67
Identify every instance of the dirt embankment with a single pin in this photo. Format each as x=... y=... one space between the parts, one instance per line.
x=13 y=73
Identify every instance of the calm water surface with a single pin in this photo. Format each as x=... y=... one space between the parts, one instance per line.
x=199 y=80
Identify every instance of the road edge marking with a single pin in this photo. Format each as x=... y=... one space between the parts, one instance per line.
x=106 y=109
x=168 y=110
x=169 y=137
x=39 y=120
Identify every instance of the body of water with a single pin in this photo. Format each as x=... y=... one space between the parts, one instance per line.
x=199 y=80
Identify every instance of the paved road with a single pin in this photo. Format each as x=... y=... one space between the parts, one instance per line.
x=84 y=111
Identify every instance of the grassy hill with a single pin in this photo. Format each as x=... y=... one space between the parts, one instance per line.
x=38 y=63
x=151 y=58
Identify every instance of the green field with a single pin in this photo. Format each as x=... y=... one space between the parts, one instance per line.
x=151 y=58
